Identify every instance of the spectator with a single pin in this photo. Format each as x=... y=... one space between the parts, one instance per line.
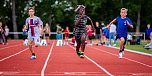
x=98 y=33
x=148 y=31
x=47 y=32
x=112 y=34
x=6 y=33
x=89 y=33
x=2 y=35
x=66 y=35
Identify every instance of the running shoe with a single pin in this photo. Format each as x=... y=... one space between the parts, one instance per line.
x=82 y=55
x=120 y=54
x=78 y=53
x=33 y=57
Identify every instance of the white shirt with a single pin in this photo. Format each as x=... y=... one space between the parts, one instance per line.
x=113 y=28
x=6 y=31
x=129 y=37
x=34 y=24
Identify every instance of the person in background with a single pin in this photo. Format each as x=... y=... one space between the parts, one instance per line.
x=47 y=32
x=112 y=34
x=24 y=34
x=147 y=32
x=66 y=35
x=89 y=33
x=59 y=32
x=103 y=26
x=106 y=36
x=2 y=35
x=6 y=33
x=98 y=33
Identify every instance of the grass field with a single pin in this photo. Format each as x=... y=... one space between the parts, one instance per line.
x=137 y=47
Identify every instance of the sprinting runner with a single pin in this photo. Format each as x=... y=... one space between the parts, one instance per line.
x=80 y=32
x=33 y=24
x=47 y=32
x=122 y=29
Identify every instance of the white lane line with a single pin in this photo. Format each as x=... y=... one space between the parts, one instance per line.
x=9 y=47
x=124 y=58
x=96 y=64
x=133 y=51
x=13 y=55
x=46 y=62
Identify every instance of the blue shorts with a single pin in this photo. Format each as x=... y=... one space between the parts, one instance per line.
x=58 y=36
x=120 y=36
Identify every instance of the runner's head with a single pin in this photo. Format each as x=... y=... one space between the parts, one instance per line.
x=80 y=9
x=123 y=12
x=31 y=11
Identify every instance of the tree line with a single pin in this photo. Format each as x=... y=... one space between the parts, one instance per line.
x=14 y=12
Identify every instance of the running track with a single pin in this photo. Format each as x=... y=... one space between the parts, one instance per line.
x=55 y=60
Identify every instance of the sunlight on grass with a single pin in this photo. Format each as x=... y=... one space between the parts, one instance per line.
x=137 y=47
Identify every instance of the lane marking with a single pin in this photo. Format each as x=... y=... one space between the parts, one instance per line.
x=136 y=52
x=46 y=62
x=13 y=55
x=96 y=64
x=9 y=47
x=124 y=57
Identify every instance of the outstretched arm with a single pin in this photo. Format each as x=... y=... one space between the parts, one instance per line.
x=113 y=21
x=91 y=24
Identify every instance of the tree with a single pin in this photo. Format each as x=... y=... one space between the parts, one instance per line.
x=14 y=19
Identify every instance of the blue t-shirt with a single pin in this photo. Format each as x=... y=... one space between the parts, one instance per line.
x=122 y=27
x=148 y=31
x=106 y=32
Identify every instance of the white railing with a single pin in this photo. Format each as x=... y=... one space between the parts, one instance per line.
x=142 y=34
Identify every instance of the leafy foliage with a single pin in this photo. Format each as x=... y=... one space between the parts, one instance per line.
x=62 y=11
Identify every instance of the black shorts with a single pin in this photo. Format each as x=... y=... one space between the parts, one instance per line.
x=47 y=35
x=24 y=37
x=119 y=36
x=98 y=36
x=147 y=38
x=90 y=37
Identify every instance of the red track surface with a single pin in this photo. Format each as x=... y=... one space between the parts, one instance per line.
x=55 y=60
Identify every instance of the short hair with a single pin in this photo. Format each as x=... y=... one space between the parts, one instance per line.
x=79 y=7
x=30 y=8
x=124 y=9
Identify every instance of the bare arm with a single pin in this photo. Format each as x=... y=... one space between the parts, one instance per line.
x=113 y=21
x=131 y=26
x=92 y=24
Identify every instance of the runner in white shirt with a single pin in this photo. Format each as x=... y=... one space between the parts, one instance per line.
x=33 y=24
x=112 y=34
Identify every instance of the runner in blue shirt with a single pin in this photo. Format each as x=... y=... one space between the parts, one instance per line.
x=122 y=29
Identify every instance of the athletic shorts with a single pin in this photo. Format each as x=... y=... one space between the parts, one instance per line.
x=58 y=36
x=46 y=35
x=98 y=36
x=119 y=36
x=90 y=37
x=36 y=40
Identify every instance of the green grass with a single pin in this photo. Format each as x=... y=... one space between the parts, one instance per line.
x=138 y=48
